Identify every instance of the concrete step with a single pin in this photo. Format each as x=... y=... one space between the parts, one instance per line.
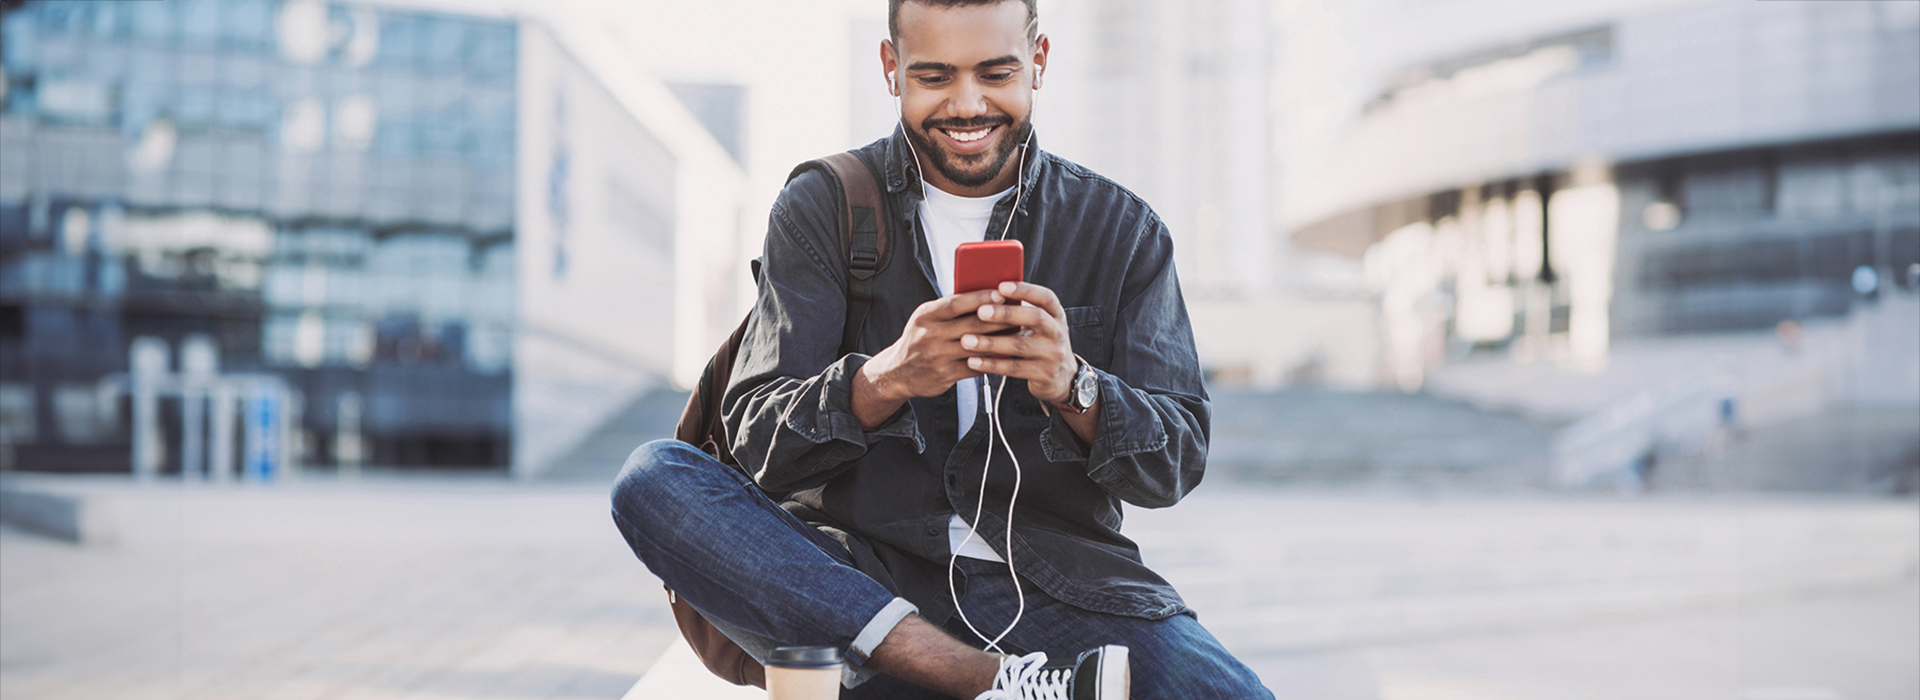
x=678 y=673
x=27 y=504
x=1848 y=448
x=1311 y=436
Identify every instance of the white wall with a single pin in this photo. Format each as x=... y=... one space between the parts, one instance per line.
x=651 y=212
x=1171 y=100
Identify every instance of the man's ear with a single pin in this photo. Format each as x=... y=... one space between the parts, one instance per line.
x=1040 y=48
x=890 y=63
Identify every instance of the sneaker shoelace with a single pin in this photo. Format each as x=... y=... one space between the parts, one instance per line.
x=1022 y=678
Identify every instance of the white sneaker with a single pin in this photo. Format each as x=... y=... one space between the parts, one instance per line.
x=1098 y=674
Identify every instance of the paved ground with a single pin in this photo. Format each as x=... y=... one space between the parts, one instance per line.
x=376 y=591
x=486 y=589
x=1856 y=645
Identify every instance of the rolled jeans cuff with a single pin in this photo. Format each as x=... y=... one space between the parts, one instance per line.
x=877 y=629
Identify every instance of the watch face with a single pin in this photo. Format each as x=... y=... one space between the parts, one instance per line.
x=1084 y=388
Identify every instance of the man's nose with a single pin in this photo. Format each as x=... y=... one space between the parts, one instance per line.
x=968 y=101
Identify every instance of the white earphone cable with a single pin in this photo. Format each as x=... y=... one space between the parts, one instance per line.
x=995 y=430
x=993 y=423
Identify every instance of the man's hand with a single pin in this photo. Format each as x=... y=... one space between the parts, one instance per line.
x=927 y=359
x=1041 y=353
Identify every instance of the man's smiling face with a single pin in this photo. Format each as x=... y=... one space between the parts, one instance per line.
x=966 y=77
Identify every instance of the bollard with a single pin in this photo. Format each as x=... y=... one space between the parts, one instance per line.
x=192 y=435
x=199 y=369
x=262 y=432
x=293 y=441
x=148 y=367
x=220 y=409
x=348 y=450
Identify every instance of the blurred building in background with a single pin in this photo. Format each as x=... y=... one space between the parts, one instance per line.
x=457 y=240
x=1705 y=168
x=1173 y=101
x=485 y=234
x=1688 y=217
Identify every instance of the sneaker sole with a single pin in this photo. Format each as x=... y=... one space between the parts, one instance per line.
x=1115 y=681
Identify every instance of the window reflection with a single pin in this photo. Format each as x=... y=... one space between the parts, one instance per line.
x=325 y=188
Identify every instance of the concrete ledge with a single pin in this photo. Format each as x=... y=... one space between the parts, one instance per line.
x=61 y=516
x=679 y=674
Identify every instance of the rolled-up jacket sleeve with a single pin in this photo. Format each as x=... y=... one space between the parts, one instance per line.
x=789 y=406
x=1150 y=448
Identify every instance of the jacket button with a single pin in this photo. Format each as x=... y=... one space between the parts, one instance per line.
x=953 y=480
x=933 y=530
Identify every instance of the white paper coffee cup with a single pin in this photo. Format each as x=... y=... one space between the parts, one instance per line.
x=803 y=673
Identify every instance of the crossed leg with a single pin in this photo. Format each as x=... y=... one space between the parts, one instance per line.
x=761 y=575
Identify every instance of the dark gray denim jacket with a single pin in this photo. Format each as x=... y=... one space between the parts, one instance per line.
x=888 y=493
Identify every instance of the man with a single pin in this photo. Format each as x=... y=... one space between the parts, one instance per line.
x=877 y=452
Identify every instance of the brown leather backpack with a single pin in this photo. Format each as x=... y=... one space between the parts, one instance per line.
x=863 y=234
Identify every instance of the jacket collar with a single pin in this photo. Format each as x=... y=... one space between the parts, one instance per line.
x=902 y=170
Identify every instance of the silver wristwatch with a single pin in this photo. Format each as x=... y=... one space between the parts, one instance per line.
x=1085 y=389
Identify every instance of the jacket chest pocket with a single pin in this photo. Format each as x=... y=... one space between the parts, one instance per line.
x=1088 y=334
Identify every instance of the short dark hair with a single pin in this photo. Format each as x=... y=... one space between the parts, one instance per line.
x=893 y=14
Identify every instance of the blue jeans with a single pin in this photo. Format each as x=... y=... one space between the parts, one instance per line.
x=767 y=579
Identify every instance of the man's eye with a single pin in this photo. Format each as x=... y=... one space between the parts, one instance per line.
x=998 y=77
x=933 y=80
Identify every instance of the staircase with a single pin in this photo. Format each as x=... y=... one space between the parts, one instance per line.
x=1844 y=449
x=1408 y=441
x=1301 y=437
x=600 y=455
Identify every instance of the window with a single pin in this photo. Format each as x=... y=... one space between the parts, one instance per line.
x=18 y=424
x=490 y=55
x=153 y=21
x=82 y=418
x=444 y=43
x=18 y=44
x=247 y=109
x=194 y=105
x=399 y=41
x=199 y=21
x=246 y=24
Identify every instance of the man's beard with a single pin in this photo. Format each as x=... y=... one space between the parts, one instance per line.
x=950 y=164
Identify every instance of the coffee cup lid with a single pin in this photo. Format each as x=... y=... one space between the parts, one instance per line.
x=804 y=657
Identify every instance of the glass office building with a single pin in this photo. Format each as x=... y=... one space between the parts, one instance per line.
x=370 y=204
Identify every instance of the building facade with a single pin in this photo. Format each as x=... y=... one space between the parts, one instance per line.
x=1685 y=168
x=432 y=228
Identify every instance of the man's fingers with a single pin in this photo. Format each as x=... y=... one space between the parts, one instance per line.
x=1017 y=345
x=952 y=307
x=1034 y=294
x=1008 y=367
x=963 y=371
x=973 y=324
x=965 y=325
x=1028 y=316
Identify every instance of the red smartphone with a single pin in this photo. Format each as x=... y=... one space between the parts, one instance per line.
x=985 y=264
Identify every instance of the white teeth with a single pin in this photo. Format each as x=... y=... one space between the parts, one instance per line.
x=966 y=136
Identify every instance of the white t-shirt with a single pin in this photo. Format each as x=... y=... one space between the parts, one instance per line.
x=950 y=220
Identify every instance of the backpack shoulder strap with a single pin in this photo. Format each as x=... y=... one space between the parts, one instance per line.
x=863 y=233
